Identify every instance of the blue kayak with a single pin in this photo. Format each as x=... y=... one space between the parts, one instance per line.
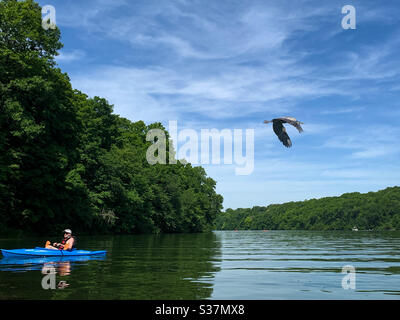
x=44 y=252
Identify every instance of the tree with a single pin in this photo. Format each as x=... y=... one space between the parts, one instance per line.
x=38 y=124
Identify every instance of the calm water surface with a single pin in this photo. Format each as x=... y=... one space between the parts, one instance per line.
x=218 y=265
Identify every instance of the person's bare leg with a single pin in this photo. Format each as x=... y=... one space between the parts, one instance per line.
x=51 y=247
x=48 y=246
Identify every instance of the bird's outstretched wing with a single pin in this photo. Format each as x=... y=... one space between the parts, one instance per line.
x=293 y=122
x=280 y=131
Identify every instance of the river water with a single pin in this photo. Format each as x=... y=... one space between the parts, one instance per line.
x=218 y=265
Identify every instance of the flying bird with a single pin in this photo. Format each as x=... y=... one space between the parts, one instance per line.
x=280 y=130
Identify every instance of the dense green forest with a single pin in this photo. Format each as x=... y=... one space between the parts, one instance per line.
x=66 y=160
x=371 y=211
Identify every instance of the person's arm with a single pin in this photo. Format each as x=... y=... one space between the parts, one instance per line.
x=58 y=245
x=69 y=244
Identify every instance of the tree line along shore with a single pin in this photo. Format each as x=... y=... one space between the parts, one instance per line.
x=370 y=211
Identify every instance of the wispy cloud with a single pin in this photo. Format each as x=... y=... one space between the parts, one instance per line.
x=370 y=142
x=343 y=110
x=69 y=56
x=224 y=93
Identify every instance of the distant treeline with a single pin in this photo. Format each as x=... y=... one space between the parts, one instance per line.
x=66 y=160
x=371 y=211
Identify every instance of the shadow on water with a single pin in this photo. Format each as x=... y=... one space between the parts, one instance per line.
x=168 y=266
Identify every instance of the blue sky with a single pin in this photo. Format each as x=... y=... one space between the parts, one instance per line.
x=232 y=64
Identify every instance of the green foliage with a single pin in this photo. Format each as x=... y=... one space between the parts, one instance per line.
x=38 y=124
x=67 y=160
x=372 y=211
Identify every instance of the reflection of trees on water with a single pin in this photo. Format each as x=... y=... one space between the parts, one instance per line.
x=180 y=266
x=166 y=266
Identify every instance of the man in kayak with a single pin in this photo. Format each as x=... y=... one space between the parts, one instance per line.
x=68 y=243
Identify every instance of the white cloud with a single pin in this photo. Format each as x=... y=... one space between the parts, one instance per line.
x=130 y=90
x=370 y=142
x=375 y=151
x=71 y=55
x=343 y=110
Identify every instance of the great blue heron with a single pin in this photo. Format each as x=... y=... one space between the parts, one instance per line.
x=280 y=130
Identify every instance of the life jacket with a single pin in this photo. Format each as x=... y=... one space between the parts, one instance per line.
x=64 y=241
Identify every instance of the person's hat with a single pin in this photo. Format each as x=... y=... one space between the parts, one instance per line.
x=68 y=231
